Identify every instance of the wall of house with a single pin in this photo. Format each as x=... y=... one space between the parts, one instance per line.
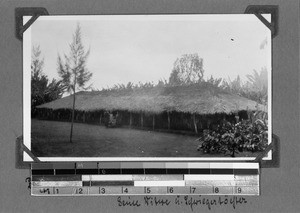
x=176 y=122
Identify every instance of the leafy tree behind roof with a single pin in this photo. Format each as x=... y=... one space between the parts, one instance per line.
x=187 y=69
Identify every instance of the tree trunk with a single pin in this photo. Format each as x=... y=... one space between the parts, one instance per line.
x=208 y=123
x=195 y=123
x=169 y=121
x=130 y=120
x=142 y=120
x=72 y=121
x=100 y=118
x=83 y=117
x=153 y=122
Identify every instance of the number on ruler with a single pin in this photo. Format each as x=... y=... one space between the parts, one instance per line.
x=56 y=191
x=216 y=190
x=45 y=190
x=79 y=191
x=193 y=190
x=102 y=190
x=125 y=190
x=170 y=190
x=239 y=190
x=147 y=190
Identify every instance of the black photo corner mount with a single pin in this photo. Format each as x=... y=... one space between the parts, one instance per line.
x=20 y=149
x=34 y=12
x=258 y=10
x=275 y=147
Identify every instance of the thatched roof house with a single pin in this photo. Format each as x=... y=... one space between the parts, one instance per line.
x=195 y=99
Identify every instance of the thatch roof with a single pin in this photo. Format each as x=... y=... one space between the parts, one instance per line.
x=200 y=99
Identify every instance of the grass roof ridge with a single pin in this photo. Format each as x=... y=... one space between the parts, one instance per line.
x=203 y=98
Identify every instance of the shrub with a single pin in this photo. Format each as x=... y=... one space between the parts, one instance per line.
x=246 y=135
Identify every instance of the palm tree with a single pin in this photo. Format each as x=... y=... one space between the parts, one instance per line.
x=259 y=84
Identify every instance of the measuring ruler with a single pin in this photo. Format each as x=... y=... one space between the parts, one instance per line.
x=100 y=179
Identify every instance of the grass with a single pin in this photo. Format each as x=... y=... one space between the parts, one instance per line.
x=51 y=139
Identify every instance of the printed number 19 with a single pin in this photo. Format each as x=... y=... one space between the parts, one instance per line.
x=45 y=190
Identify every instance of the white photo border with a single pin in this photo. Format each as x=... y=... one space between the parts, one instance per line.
x=27 y=90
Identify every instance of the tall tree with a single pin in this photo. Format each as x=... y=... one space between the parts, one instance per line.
x=42 y=91
x=73 y=70
x=187 y=69
x=36 y=62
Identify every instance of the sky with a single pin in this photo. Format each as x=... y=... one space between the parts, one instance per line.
x=143 y=48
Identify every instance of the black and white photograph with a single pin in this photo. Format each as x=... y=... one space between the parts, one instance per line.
x=135 y=87
x=149 y=106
